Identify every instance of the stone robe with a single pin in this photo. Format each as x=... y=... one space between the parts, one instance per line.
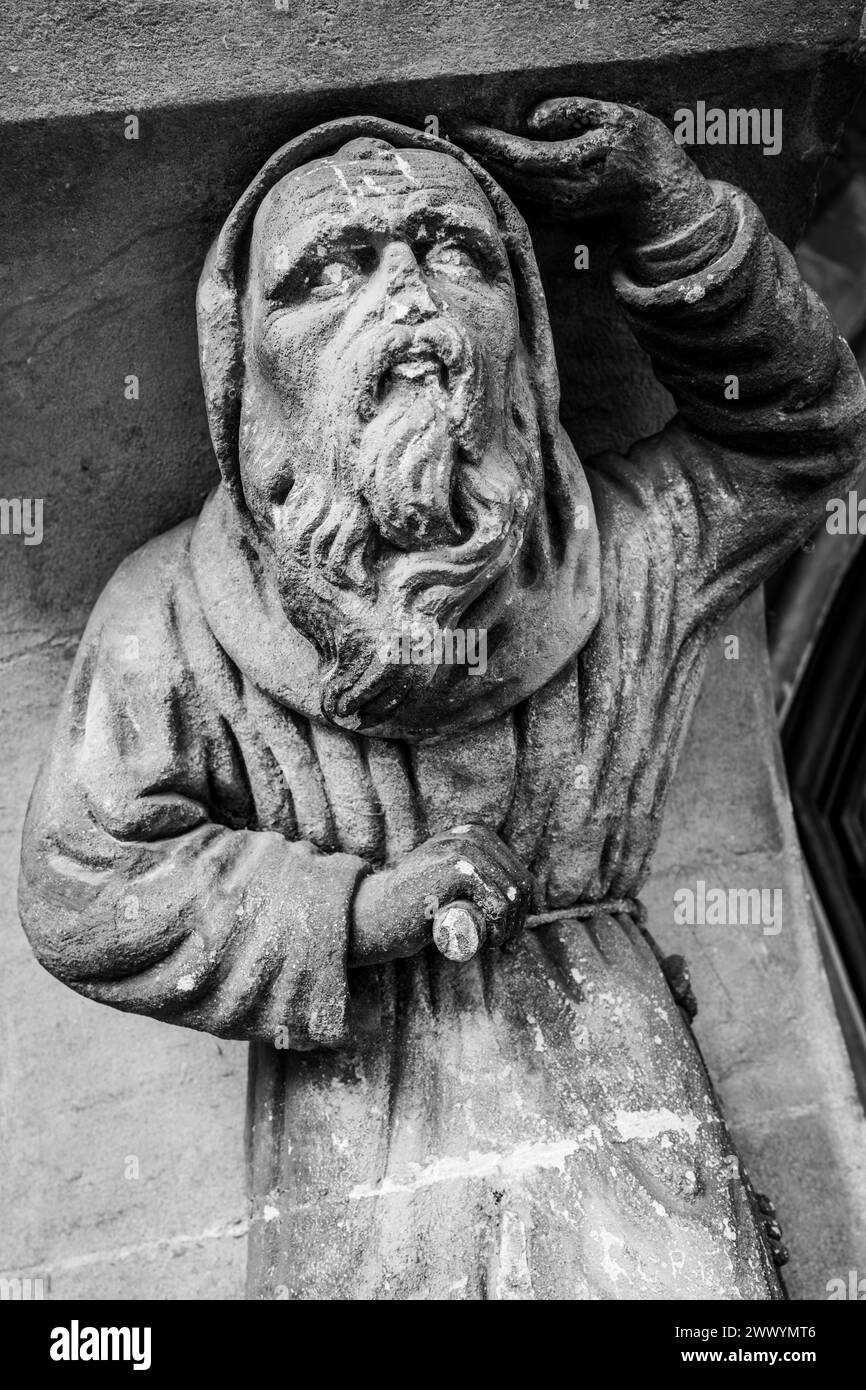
x=538 y=1122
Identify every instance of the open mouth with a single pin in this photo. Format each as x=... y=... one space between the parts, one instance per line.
x=420 y=367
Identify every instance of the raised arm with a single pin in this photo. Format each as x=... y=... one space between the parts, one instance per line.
x=771 y=406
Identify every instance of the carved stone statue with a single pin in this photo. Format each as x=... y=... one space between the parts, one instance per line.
x=253 y=814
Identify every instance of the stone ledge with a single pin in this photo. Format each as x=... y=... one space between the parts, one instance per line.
x=141 y=54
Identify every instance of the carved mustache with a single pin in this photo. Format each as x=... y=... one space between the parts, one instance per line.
x=401 y=351
x=406 y=442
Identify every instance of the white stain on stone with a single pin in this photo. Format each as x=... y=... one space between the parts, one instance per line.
x=341 y=178
x=270 y=1213
x=525 y=1158
x=404 y=166
x=608 y=1240
x=464 y=867
x=592 y=1138
x=185 y=984
x=649 y=1124
x=513 y=1279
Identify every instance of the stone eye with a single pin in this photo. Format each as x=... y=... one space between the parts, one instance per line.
x=451 y=258
x=333 y=278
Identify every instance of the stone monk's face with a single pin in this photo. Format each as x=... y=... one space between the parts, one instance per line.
x=389 y=443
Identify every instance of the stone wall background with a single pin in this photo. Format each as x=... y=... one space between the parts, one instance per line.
x=105 y=238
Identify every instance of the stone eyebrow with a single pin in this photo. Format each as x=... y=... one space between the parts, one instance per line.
x=309 y=241
x=455 y=219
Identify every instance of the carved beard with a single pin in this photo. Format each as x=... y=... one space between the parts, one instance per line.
x=397 y=497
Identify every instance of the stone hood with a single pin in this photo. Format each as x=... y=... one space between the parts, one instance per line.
x=533 y=630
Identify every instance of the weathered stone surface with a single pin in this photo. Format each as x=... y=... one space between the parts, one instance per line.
x=248 y=808
x=145 y=53
x=101 y=285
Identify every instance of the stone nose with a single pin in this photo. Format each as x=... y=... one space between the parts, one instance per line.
x=409 y=299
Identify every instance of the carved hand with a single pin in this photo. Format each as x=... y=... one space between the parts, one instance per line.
x=597 y=157
x=394 y=909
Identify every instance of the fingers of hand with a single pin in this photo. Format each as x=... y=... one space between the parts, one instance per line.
x=561 y=116
x=481 y=888
x=515 y=155
x=486 y=871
